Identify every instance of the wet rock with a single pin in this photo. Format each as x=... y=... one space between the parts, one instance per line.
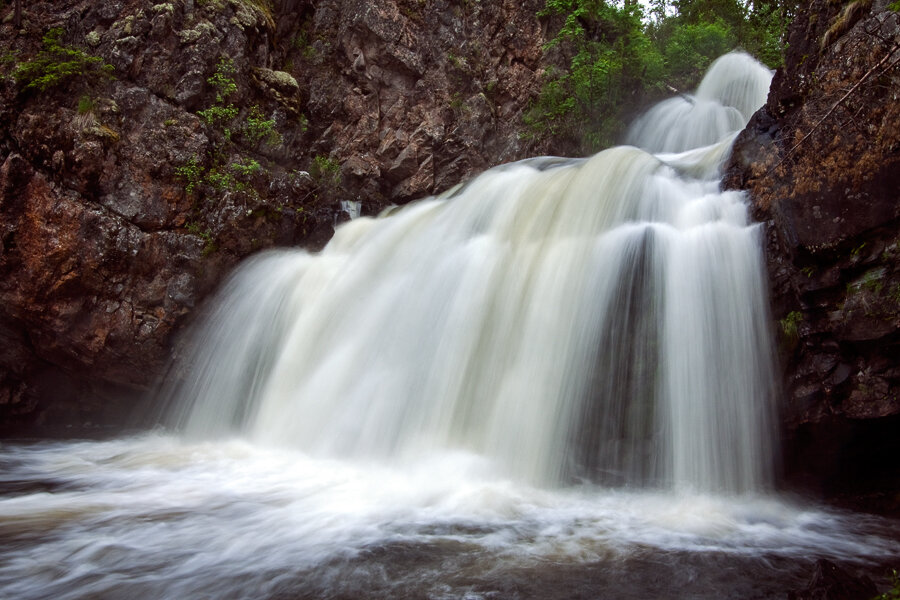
x=823 y=171
x=106 y=254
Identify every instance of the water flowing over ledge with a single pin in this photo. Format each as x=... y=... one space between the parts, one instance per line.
x=554 y=381
x=599 y=319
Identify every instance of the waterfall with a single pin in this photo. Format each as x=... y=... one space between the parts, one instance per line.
x=600 y=319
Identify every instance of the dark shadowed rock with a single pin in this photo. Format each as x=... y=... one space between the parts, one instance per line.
x=821 y=163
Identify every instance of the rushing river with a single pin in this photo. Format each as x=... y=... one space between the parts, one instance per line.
x=157 y=517
x=554 y=381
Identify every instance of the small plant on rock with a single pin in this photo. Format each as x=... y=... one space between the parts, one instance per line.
x=259 y=129
x=325 y=171
x=56 y=64
x=894 y=592
x=191 y=173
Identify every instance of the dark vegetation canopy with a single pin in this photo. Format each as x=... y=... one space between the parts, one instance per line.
x=613 y=58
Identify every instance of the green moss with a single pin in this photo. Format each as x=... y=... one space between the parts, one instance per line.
x=790 y=326
x=85 y=105
x=871 y=281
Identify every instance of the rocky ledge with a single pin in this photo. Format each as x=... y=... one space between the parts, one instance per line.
x=822 y=164
x=146 y=147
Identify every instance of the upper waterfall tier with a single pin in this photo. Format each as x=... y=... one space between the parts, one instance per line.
x=734 y=87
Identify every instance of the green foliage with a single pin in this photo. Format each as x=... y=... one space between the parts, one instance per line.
x=85 y=105
x=257 y=128
x=692 y=47
x=325 y=171
x=246 y=168
x=223 y=79
x=221 y=176
x=8 y=57
x=894 y=6
x=191 y=173
x=56 y=65
x=218 y=114
x=210 y=245
x=790 y=326
x=223 y=180
x=302 y=44
x=228 y=169
x=612 y=62
x=617 y=58
x=894 y=592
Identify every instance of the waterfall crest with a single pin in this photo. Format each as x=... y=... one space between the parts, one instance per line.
x=603 y=318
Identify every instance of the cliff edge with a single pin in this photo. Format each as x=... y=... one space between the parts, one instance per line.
x=821 y=161
x=147 y=147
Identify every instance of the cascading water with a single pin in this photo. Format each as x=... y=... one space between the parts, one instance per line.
x=552 y=382
x=601 y=318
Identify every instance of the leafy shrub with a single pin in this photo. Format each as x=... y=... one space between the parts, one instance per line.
x=692 y=48
x=191 y=173
x=246 y=168
x=613 y=58
x=223 y=79
x=611 y=63
x=325 y=170
x=257 y=128
x=217 y=114
x=56 y=64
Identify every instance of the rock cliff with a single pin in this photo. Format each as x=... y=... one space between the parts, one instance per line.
x=146 y=147
x=822 y=164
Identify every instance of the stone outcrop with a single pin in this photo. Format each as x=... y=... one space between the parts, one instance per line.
x=822 y=164
x=122 y=206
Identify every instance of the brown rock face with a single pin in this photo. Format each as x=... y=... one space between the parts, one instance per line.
x=104 y=251
x=822 y=164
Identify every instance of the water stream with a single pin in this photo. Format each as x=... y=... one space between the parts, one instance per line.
x=554 y=381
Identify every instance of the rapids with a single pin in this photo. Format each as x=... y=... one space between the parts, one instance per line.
x=553 y=381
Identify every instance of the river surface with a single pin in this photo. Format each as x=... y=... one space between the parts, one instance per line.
x=154 y=516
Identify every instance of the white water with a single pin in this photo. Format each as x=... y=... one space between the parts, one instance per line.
x=551 y=383
x=602 y=319
x=158 y=517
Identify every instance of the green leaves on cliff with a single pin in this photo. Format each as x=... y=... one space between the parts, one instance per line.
x=227 y=167
x=57 y=64
x=255 y=128
x=223 y=80
x=612 y=63
x=617 y=57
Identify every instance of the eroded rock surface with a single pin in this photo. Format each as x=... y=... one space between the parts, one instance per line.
x=822 y=164
x=122 y=206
